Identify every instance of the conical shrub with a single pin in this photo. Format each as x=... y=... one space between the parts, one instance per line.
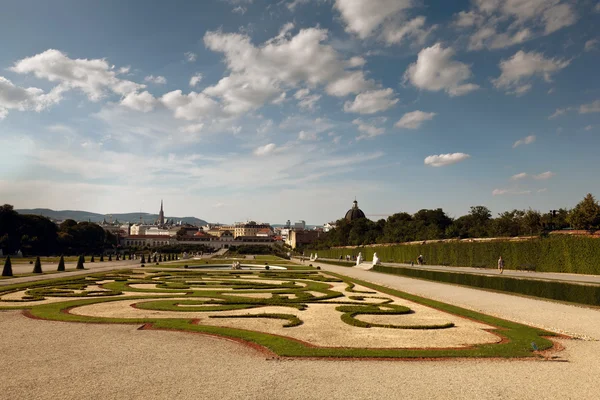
x=92 y=259
x=80 y=262
x=7 y=271
x=110 y=257
x=155 y=258
x=101 y=257
x=143 y=260
x=129 y=256
x=61 y=264
x=160 y=258
x=37 y=268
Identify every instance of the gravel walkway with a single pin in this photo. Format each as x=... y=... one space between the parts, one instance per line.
x=58 y=360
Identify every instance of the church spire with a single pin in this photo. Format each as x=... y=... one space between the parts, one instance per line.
x=161 y=214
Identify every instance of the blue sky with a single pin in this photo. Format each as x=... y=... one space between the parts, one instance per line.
x=273 y=110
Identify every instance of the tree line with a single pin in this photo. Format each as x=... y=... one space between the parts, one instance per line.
x=37 y=235
x=478 y=223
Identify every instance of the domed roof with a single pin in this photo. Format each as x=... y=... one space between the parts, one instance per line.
x=354 y=212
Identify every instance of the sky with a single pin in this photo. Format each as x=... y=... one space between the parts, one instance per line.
x=235 y=110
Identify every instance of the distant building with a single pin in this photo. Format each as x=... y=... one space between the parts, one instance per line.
x=354 y=213
x=328 y=226
x=303 y=237
x=249 y=228
x=161 y=215
x=300 y=224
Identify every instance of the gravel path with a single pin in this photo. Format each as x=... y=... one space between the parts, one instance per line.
x=58 y=360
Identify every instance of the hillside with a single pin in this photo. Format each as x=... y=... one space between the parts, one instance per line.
x=94 y=217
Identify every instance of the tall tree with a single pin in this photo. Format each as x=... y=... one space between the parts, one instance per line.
x=7 y=271
x=586 y=214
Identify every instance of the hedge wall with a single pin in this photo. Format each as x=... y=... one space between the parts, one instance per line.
x=583 y=294
x=580 y=255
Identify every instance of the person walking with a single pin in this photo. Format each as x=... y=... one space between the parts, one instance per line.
x=501 y=264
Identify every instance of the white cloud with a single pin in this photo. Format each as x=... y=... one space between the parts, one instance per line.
x=193 y=128
x=371 y=102
x=588 y=128
x=190 y=56
x=526 y=140
x=500 y=192
x=443 y=160
x=306 y=100
x=307 y=135
x=143 y=102
x=544 y=175
x=356 y=62
x=94 y=77
x=295 y=3
x=414 y=119
x=522 y=175
x=435 y=70
x=195 y=79
x=559 y=112
x=496 y=24
x=13 y=97
x=265 y=150
x=236 y=129
x=369 y=130
x=239 y=10
x=386 y=19
x=522 y=66
x=593 y=107
x=260 y=75
x=591 y=45
x=192 y=106
x=159 y=80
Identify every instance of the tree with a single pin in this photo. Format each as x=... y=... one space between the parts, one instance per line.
x=143 y=260
x=7 y=271
x=61 y=264
x=37 y=268
x=110 y=257
x=80 y=262
x=586 y=214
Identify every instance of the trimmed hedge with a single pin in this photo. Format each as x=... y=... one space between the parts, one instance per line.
x=579 y=255
x=562 y=291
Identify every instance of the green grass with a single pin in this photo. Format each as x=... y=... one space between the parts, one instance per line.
x=292 y=291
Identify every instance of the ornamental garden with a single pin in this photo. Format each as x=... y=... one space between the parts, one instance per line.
x=296 y=312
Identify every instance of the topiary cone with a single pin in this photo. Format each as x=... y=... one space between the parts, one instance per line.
x=143 y=260
x=7 y=271
x=37 y=268
x=80 y=262
x=110 y=257
x=101 y=257
x=61 y=264
x=92 y=259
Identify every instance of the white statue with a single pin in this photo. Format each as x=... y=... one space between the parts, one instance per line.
x=376 y=260
x=311 y=257
x=19 y=253
x=316 y=256
x=359 y=259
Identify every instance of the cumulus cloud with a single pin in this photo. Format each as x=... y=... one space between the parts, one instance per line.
x=193 y=128
x=94 y=77
x=265 y=150
x=593 y=107
x=526 y=140
x=435 y=70
x=522 y=175
x=14 y=97
x=143 y=102
x=495 y=24
x=387 y=20
x=522 y=66
x=192 y=106
x=195 y=79
x=414 y=119
x=558 y=112
x=590 y=45
x=544 y=175
x=356 y=62
x=159 y=80
x=306 y=100
x=442 y=160
x=371 y=102
x=369 y=130
x=190 y=56
x=261 y=74
x=500 y=192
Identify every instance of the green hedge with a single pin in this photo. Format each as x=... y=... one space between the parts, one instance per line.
x=575 y=293
x=579 y=255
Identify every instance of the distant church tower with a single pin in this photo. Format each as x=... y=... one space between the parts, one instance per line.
x=161 y=215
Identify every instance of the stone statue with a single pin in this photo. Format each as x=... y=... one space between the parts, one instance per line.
x=316 y=256
x=359 y=259
x=19 y=253
x=376 y=260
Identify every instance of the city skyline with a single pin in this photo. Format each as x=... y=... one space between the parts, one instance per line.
x=240 y=110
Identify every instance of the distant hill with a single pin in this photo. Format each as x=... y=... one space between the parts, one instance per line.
x=94 y=217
